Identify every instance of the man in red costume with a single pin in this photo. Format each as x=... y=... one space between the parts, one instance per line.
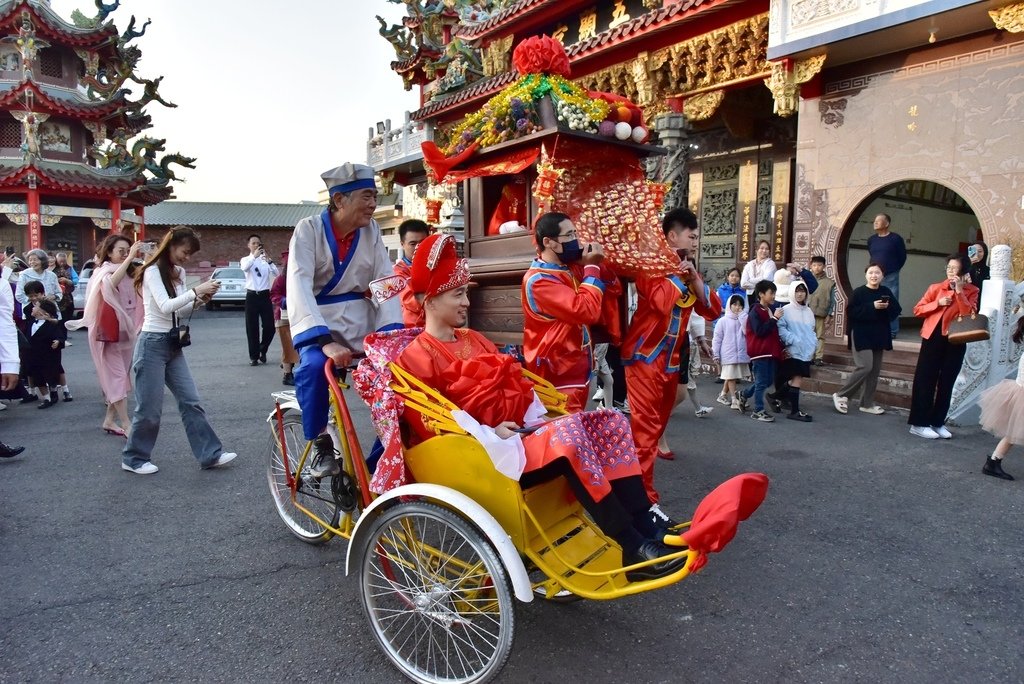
x=560 y=303
x=651 y=349
x=593 y=450
x=511 y=206
x=411 y=232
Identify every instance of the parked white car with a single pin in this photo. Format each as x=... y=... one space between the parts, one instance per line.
x=232 y=287
x=83 y=282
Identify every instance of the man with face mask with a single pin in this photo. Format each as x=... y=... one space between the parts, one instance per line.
x=560 y=303
x=656 y=335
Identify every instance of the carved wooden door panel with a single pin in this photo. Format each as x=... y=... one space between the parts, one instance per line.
x=719 y=199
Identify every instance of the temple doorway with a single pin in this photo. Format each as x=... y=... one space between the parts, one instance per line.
x=933 y=220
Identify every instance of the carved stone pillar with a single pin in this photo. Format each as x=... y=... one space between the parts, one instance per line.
x=989 y=361
x=673 y=134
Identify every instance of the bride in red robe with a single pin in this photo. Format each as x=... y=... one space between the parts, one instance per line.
x=593 y=450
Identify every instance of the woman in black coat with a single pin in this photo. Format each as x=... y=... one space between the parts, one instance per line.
x=872 y=307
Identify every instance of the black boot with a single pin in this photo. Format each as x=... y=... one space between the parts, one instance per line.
x=994 y=467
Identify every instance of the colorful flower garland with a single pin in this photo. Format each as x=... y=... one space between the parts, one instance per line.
x=512 y=113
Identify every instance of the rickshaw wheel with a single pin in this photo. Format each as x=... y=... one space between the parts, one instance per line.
x=315 y=495
x=436 y=595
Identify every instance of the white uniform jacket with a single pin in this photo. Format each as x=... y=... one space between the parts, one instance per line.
x=327 y=291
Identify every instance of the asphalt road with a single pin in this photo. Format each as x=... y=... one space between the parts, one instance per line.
x=878 y=556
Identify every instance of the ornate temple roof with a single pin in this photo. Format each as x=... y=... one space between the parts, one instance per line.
x=49 y=24
x=54 y=100
x=74 y=179
x=514 y=12
x=641 y=27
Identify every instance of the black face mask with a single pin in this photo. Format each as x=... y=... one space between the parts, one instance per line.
x=571 y=252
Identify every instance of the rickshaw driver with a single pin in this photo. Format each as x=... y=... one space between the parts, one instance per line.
x=333 y=257
x=593 y=450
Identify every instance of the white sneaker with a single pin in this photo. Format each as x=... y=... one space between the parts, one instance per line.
x=222 y=460
x=147 y=468
x=724 y=400
x=839 y=403
x=942 y=432
x=925 y=432
x=598 y=395
x=703 y=411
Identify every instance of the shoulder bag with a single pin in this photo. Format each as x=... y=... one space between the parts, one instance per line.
x=973 y=328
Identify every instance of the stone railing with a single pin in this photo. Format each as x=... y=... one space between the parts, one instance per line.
x=989 y=362
x=392 y=146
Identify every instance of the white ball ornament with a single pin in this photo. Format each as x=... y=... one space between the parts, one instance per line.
x=640 y=134
x=623 y=130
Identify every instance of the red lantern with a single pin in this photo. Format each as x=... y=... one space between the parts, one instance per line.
x=434 y=211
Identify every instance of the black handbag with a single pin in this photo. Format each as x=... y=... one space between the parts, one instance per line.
x=179 y=335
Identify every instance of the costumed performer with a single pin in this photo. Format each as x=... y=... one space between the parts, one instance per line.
x=651 y=349
x=411 y=232
x=560 y=303
x=593 y=450
x=333 y=257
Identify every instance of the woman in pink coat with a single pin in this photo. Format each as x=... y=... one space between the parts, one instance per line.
x=111 y=284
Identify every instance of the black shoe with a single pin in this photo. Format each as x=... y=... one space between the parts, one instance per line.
x=47 y=403
x=801 y=416
x=263 y=357
x=67 y=396
x=289 y=379
x=773 y=401
x=650 y=550
x=662 y=520
x=819 y=362
x=9 y=451
x=325 y=462
x=994 y=467
x=29 y=399
x=254 y=362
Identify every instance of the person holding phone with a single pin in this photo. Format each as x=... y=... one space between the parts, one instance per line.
x=560 y=304
x=872 y=308
x=260 y=271
x=939 y=362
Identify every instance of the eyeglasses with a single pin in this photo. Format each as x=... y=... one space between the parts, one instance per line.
x=569 y=236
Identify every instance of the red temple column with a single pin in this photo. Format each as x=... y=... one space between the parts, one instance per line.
x=141 y=211
x=115 y=215
x=35 y=231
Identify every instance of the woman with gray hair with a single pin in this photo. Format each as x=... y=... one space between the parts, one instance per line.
x=38 y=265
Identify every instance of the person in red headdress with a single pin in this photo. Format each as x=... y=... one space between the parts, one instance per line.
x=593 y=450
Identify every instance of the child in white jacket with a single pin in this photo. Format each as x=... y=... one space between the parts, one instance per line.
x=796 y=329
x=729 y=348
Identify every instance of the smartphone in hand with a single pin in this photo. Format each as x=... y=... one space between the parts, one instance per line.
x=525 y=430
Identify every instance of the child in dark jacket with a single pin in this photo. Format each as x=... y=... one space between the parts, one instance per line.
x=46 y=335
x=764 y=347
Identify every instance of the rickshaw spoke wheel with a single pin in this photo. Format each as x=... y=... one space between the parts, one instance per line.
x=315 y=495
x=436 y=594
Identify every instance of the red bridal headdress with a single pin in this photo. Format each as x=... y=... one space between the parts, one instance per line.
x=436 y=267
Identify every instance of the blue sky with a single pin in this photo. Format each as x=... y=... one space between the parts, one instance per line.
x=269 y=94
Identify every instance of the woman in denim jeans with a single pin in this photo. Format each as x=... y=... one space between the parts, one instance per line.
x=158 y=361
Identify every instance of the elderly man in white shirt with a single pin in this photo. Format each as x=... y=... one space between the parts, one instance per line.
x=260 y=272
x=10 y=361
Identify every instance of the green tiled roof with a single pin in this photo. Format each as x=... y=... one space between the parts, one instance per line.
x=241 y=214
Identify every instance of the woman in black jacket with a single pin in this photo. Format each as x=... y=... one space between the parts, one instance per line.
x=872 y=307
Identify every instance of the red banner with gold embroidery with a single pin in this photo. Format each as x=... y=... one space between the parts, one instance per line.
x=510 y=162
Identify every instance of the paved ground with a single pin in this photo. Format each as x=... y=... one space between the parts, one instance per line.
x=877 y=557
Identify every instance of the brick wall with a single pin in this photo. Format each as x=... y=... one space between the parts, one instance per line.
x=222 y=244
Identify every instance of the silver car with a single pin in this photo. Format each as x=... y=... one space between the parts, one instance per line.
x=232 y=287
x=83 y=282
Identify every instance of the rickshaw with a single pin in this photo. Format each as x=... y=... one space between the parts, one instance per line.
x=442 y=560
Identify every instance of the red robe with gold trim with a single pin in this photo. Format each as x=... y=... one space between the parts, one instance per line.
x=651 y=354
x=490 y=387
x=559 y=306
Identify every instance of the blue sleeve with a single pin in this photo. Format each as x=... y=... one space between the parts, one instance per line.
x=809 y=280
x=74 y=276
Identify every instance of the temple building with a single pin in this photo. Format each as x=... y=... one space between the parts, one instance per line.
x=70 y=171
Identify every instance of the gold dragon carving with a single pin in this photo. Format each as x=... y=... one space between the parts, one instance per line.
x=703 y=106
x=1009 y=18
